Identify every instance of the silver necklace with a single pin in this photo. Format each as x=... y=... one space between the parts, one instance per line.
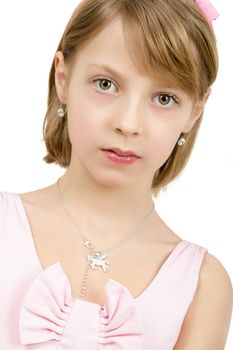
x=97 y=259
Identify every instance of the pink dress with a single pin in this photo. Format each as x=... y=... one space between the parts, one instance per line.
x=37 y=310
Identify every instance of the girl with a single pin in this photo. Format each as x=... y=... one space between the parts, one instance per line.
x=95 y=267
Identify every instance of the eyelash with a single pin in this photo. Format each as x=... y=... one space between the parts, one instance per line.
x=99 y=78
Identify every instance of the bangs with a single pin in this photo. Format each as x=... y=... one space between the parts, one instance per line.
x=166 y=37
x=164 y=47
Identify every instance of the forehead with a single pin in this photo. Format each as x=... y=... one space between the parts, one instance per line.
x=110 y=52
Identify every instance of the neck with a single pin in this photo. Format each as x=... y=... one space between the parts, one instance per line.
x=103 y=210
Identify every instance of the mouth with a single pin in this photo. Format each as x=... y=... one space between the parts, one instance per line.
x=121 y=153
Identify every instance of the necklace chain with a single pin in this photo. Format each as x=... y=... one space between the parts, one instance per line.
x=97 y=258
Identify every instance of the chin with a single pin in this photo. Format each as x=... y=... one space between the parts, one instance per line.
x=112 y=181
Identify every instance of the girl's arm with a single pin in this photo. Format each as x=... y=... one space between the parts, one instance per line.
x=207 y=321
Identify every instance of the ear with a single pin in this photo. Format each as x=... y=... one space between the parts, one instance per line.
x=197 y=111
x=60 y=76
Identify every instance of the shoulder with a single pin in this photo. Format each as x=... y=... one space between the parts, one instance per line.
x=42 y=198
x=33 y=196
x=212 y=268
x=215 y=279
x=209 y=315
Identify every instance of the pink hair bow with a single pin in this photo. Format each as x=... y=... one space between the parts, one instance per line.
x=208 y=9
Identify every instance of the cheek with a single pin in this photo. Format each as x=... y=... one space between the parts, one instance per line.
x=162 y=146
x=83 y=125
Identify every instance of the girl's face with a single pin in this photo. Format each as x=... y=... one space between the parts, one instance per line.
x=110 y=104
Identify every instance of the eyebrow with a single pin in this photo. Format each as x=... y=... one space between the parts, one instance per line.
x=108 y=69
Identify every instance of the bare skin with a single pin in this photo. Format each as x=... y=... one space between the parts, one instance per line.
x=57 y=239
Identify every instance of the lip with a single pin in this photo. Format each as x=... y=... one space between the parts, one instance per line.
x=119 y=159
x=122 y=153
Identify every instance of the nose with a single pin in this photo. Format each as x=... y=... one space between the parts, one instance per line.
x=129 y=118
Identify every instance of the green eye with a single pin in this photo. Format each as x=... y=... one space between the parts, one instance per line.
x=164 y=99
x=105 y=84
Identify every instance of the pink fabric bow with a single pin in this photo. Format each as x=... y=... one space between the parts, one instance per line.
x=208 y=9
x=50 y=316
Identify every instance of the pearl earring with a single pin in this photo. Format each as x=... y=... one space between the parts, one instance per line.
x=61 y=112
x=181 y=141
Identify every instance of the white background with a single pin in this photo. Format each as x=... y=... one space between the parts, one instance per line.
x=198 y=206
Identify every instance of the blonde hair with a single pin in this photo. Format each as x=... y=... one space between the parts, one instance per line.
x=159 y=33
